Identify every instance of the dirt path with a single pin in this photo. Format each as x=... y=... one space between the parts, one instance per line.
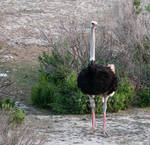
x=130 y=127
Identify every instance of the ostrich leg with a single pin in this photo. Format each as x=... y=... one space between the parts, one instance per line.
x=92 y=103
x=104 y=113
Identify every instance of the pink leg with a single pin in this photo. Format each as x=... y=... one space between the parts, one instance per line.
x=104 y=123
x=93 y=119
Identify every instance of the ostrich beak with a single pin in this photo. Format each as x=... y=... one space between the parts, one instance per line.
x=95 y=25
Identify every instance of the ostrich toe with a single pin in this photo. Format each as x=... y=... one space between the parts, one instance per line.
x=92 y=130
x=105 y=134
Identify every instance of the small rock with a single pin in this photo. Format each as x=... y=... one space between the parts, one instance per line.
x=3 y=75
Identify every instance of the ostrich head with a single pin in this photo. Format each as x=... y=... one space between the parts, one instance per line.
x=93 y=24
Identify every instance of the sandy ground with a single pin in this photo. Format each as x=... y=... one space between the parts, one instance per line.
x=131 y=127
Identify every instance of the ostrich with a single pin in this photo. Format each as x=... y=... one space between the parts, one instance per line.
x=97 y=80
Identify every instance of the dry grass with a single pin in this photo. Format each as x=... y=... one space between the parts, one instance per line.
x=12 y=134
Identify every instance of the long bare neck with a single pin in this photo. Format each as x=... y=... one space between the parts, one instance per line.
x=92 y=44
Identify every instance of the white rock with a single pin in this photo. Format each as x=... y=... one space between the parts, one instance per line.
x=3 y=75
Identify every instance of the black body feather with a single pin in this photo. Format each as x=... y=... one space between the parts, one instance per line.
x=97 y=79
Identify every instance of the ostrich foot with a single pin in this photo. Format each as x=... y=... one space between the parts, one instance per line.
x=92 y=130
x=105 y=134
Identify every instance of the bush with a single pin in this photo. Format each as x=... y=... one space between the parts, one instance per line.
x=1 y=47
x=61 y=98
x=144 y=97
x=123 y=97
x=16 y=134
x=7 y=102
x=148 y=7
x=43 y=93
x=16 y=115
x=57 y=91
x=68 y=99
x=137 y=4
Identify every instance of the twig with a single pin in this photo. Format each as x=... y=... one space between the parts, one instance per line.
x=6 y=85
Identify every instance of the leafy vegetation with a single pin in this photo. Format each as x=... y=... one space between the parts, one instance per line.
x=16 y=115
x=144 y=97
x=148 y=7
x=1 y=46
x=137 y=5
x=12 y=129
x=58 y=91
x=123 y=97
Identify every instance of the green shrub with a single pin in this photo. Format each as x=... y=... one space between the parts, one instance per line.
x=71 y=98
x=148 y=7
x=67 y=99
x=16 y=115
x=137 y=4
x=57 y=89
x=123 y=97
x=7 y=103
x=60 y=98
x=58 y=92
x=144 y=97
x=43 y=93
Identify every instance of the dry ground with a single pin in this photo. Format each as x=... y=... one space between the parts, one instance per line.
x=130 y=127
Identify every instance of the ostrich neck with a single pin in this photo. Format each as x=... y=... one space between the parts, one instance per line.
x=92 y=44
